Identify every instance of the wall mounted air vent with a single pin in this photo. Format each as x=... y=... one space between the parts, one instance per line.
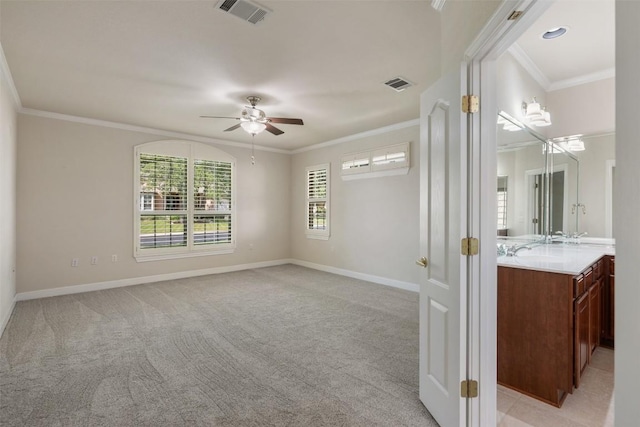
x=398 y=84
x=245 y=10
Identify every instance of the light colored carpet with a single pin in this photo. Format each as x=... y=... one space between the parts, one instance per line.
x=278 y=346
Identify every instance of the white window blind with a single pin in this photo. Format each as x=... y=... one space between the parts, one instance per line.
x=392 y=157
x=317 y=203
x=502 y=202
x=184 y=200
x=356 y=163
x=384 y=161
x=212 y=202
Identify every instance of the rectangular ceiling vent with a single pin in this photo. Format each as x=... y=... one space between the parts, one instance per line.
x=398 y=84
x=243 y=9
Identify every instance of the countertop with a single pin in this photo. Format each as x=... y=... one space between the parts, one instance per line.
x=565 y=258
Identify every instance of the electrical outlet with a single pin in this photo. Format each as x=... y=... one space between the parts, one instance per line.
x=75 y=262
x=94 y=260
x=114 y=258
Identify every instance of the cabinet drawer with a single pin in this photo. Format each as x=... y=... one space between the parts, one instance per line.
x=588 y=278
x=599 y=270
x=612 y=265
x=578 y=286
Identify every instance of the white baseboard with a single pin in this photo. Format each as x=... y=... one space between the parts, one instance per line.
x=76 y=289
x=4 y=321
x=408 y=286
x=89 y=287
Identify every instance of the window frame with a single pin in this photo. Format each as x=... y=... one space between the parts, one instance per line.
x=192 y=151
x=325 y=233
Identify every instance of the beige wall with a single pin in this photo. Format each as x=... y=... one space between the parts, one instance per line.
x=593 y=171
x=374 y=221
x=587 y=109
x=517 y=86
x=75 y=195
x=626 y=209
x=7 y=200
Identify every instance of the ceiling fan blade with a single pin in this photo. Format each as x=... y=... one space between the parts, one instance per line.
x=218 y=117
x=274 y=130
x=234 y=127
x=285 y=121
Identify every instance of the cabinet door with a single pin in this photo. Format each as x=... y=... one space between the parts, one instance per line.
x=594 y=316
x=612 y=299
x=581 y=355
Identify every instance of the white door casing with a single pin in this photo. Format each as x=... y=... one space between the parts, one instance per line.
x=443 y=221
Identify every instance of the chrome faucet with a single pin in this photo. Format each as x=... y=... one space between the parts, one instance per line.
x=513 y=250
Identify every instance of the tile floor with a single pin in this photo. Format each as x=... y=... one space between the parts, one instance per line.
x=591 y=405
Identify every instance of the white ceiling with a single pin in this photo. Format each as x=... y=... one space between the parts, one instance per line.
x=163 y=64
x=585 y=53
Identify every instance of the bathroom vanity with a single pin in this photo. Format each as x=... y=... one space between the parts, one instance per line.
x=555 y=306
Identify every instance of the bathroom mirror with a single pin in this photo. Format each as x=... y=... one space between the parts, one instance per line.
x=580 y=196
x=545 y=187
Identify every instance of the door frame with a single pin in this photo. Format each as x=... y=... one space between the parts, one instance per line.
x=529 y=174
x=493 y=40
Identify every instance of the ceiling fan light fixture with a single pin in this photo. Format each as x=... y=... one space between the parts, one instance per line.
x=253 y=127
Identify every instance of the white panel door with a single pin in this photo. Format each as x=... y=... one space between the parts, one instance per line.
x=443 y=219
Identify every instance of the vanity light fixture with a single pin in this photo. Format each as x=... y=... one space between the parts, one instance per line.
x=535 y=114
x=570 y=143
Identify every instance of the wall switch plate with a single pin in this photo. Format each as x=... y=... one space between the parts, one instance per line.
x=94 y=260
x=75 y=262
x=114 y=258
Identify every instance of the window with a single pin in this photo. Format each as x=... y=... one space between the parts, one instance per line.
x=317 y=211
x=502 y=202
x=384 y=161
x=355 y=163
x=185 y=200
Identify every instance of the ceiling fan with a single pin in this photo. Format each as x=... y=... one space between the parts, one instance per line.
x=254 y=120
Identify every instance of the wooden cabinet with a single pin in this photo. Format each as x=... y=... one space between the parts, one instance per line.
x=535 y=333
x=607 y=300
x=581 y=346
x=548 y=326
x=594 y=315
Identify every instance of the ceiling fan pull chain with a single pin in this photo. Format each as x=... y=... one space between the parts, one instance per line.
x=253 y=157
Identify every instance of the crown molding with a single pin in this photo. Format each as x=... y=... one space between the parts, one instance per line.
x=151 y=131
x=525 y=61
x=580 y=80
x=4 y=70
x=356 y=136
x=205 y=139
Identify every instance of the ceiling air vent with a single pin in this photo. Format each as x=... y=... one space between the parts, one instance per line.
x=398 y=84
x=247 y=11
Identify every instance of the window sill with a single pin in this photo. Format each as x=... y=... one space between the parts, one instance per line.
x=374 y=174
x=163 y=257
x=317 y=237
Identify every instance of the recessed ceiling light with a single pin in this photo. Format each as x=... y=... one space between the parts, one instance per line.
x=555 y=33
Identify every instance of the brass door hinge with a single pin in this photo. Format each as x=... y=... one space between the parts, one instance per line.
x=469 y=246
x=470 y=104
x=469 y=388
x=515 y=15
